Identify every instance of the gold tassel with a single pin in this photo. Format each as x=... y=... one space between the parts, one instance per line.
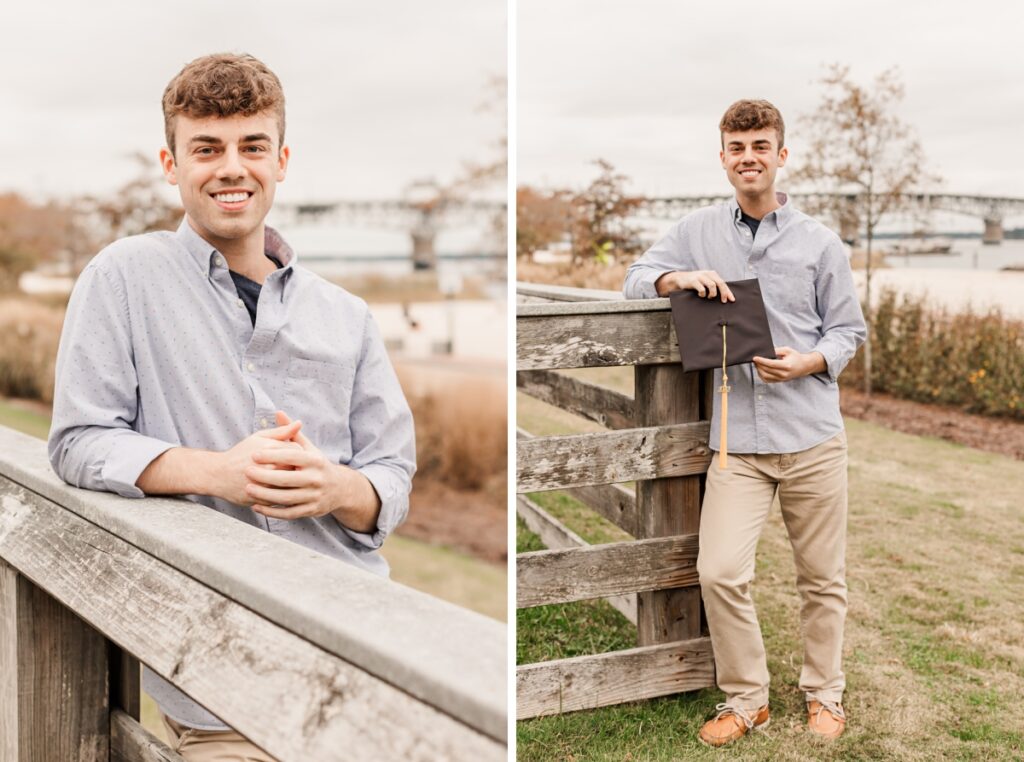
x=723 y=447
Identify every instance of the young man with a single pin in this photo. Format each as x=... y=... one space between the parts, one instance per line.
x=186 y=355
x=786 y=435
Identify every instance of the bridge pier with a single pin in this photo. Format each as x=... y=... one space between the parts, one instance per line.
x=849 y=228
x=993 y=231
x=424 y=257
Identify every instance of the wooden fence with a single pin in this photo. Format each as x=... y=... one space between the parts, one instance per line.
x=657 y=438
x=309 y=658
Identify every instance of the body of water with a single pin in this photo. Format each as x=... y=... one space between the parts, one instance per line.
x=967 y=254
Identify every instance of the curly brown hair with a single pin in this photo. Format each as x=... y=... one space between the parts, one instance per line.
x=753 y=115
x=223 y=84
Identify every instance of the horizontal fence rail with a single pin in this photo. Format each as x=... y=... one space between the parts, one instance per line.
x=658 y=439
x=307 y=657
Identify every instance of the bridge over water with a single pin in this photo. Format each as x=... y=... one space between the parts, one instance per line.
x=992 y=210
x=422 y=219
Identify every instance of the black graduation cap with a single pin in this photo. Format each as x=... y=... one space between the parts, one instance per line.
x=713 y=334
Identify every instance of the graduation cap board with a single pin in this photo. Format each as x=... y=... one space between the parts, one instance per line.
x=713 y=333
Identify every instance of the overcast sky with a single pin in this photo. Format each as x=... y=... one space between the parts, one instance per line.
x=644 y=84
x=378 y=93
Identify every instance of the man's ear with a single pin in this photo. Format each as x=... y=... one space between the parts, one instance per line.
x=783 y=155
x=168 y=166
x=721 y=158
x=282 y=162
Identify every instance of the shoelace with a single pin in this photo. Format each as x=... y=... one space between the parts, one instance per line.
x=832 y=708
x=741 y=714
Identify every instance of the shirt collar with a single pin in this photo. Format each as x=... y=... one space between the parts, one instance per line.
x=209 y=259
x=779 y=216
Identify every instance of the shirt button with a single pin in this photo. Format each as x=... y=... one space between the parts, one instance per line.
x=760 y=396
x=218 y=261
x=239 y=302
x=263 y=422
x=250 y=366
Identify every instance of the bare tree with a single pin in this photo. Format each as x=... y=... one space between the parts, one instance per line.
x=600 y=226
x=861 y=150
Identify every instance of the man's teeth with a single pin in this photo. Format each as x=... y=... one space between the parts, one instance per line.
x=750 y=172
x=231 y=198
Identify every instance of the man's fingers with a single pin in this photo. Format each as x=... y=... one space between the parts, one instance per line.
x=273 y=496
x=286 y=456
x=764 y=362
x=275 y=477
x=282 y=432
x=288 y=514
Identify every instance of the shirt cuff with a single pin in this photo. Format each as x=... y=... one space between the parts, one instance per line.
x=832 y=365
x=393 y=492
x=127 y=459
x=644 y=283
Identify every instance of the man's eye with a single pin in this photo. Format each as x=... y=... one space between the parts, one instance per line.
x=254 y=149
x=204 y=151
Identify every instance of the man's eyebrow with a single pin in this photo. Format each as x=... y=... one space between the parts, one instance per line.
x=205 y=139
x=256 y=138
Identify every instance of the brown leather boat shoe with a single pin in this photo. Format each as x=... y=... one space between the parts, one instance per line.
x=732 y=723
x=826 y=719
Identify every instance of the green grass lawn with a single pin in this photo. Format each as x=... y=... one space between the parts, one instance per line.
x=934 y=647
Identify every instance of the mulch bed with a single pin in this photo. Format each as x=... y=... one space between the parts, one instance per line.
x=1002 y=435
x=472 y=522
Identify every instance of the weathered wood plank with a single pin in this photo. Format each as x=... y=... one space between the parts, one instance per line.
x=55 y=669
x=452 y=658
x=554 y=293
x=130 y=742
x=664 y=394
x=587 y=682
x=576 y=460
x=555 y=535
x=612 y=501
x=595 y=403
x=287 y=695
x=588 y=340
x=597 y=571
x=8 y=663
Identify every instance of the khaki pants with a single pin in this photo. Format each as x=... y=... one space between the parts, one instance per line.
x=212 y=745
x=812 y=492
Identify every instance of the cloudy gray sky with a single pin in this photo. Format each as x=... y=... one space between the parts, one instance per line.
x=378 y=93
x=643 y=84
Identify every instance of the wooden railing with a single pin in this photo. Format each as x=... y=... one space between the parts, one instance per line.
x=309 y=658
x=657 y=438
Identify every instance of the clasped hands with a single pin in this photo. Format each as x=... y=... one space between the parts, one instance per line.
x=281 y=474
x=709 y=284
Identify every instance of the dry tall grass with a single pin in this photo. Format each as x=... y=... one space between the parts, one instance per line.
x=461 y=434
x=29 y=334
x=589 y=274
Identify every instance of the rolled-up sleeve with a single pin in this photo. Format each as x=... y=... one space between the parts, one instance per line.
x=842 y=321
x=92 y=442
x=383 y=437
x=669 y=254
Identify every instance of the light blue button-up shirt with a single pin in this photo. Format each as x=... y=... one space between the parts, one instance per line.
x=158 y=351
x=811 y=303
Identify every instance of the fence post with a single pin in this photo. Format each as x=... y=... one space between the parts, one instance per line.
x=664 y=395
x=53 y=679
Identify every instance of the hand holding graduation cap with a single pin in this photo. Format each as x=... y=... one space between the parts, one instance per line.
x=707 y=283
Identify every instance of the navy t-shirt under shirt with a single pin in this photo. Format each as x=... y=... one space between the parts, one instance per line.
x=752 y=223
x=249 y=290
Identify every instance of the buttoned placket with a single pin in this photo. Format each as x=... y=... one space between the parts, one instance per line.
x=269 y=318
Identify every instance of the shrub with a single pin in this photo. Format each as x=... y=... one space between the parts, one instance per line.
x=925 y=353
x=29 y=334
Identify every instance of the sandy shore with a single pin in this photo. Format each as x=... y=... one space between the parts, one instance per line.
x=955 y=289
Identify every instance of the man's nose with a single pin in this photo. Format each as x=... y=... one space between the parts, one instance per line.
x=231 y=164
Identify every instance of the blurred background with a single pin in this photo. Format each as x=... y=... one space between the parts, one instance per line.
x=396 y=191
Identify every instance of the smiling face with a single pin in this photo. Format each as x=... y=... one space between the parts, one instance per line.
x=751 y=159
x=226 y=170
